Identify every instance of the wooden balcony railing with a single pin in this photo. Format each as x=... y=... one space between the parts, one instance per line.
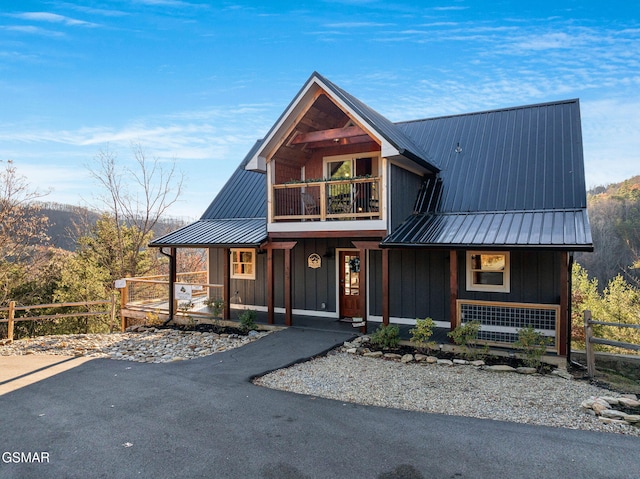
x=345 y=199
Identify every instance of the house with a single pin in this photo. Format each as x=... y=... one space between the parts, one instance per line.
x=338 y=212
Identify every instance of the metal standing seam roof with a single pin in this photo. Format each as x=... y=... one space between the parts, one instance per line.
x=236 y=217
x=508 y=178
x=232 y=232
x=385 y=128
x=555 y=229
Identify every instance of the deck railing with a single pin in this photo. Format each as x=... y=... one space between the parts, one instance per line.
x=147 y=297
x=344 y=199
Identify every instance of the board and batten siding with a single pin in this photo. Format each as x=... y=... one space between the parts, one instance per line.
x=534 y=278
x=403 y=187
x=418 y=284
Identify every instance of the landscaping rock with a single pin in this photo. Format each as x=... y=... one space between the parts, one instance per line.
x=373 y=354
x=407 y=358
x=444 y=362
x=526 y=370
x=562 y=373
x=500 y=368
x=392 y=356
x=460 y=361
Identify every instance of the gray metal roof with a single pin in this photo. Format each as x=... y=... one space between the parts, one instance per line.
x=233 y=232
x=509 y=178
x=524 y=158
x=557 y=229
x=236 y=216
x=385 y=128
x=243 y=196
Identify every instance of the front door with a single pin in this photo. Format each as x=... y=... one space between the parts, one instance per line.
x=349 y=284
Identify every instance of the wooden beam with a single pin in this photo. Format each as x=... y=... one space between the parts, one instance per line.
x=385 y=286
x=287 y=246
x=288 y=308
x=453 y=288
x=226 y=284
x=270 y=288
x=331 y=134
x=328 y=234
x=356 y=140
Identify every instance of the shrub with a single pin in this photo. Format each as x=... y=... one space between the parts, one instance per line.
x=422 y=333
x=248 y=320
x=533 y=346
x=386 y=337
x=216 y=305
x=466 y=335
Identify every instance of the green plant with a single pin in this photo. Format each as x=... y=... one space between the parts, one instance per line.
x=466 y=335
x=386 y=337
x=533 y=346
x=248 y=320
x=215 y=304
x=422 y=333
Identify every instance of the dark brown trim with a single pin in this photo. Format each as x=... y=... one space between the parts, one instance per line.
x=226 y=281
x=385 y=287
x=288 y=308
x=565 y=294
x=362 y=245
x=453 y=288
x=270 y=288
x=287 y=246
x=327 y=234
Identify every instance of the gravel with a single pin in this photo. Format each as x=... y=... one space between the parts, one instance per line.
x=461 y=390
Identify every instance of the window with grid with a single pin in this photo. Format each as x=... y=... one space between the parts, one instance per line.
x=488 y=271
x=243 y=264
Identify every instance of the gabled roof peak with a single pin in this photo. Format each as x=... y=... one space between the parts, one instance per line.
x=394 y=143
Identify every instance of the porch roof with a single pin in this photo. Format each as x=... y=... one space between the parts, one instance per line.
x=564 y=229
x=230 y=232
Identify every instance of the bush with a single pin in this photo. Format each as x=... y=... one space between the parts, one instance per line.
x=466 y=335
x=533 y=346
x=422 y=333
x=248 y=320
x=386 y=337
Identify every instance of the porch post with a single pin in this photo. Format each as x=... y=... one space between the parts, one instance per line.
x=226 y=284
x=173 y=276
x=564 y=326
x=385 y=286
x=270 y=288
x=453 y=288
x=288 y=308
x=363 y=286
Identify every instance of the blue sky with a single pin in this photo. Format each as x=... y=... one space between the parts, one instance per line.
x=198 y=82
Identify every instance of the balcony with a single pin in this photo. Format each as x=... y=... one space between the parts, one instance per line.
x=331 y=200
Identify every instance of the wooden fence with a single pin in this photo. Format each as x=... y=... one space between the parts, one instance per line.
x=590 y=340
x=12 y=309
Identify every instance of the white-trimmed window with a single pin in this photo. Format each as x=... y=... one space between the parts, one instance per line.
x=488 y=271
x=243 y=264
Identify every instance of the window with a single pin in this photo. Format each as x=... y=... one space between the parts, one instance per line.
x=488 y=271
x=243 y=264
x=346 y=167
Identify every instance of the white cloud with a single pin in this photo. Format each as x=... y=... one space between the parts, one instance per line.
x=51 y=18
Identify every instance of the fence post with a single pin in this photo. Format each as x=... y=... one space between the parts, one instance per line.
x=12 y=312
x=112 y=313
x=588 y=334
x=124 y=296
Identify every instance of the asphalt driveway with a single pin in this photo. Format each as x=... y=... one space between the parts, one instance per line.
x=204 y=419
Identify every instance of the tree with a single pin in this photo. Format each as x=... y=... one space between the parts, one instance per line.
x=22 y=228
x=135 y=200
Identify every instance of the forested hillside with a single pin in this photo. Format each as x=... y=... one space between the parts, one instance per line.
x=67 y=223
x=614 y=213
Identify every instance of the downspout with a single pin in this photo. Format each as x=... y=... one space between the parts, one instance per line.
x=570 y=286
x=172 y=281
